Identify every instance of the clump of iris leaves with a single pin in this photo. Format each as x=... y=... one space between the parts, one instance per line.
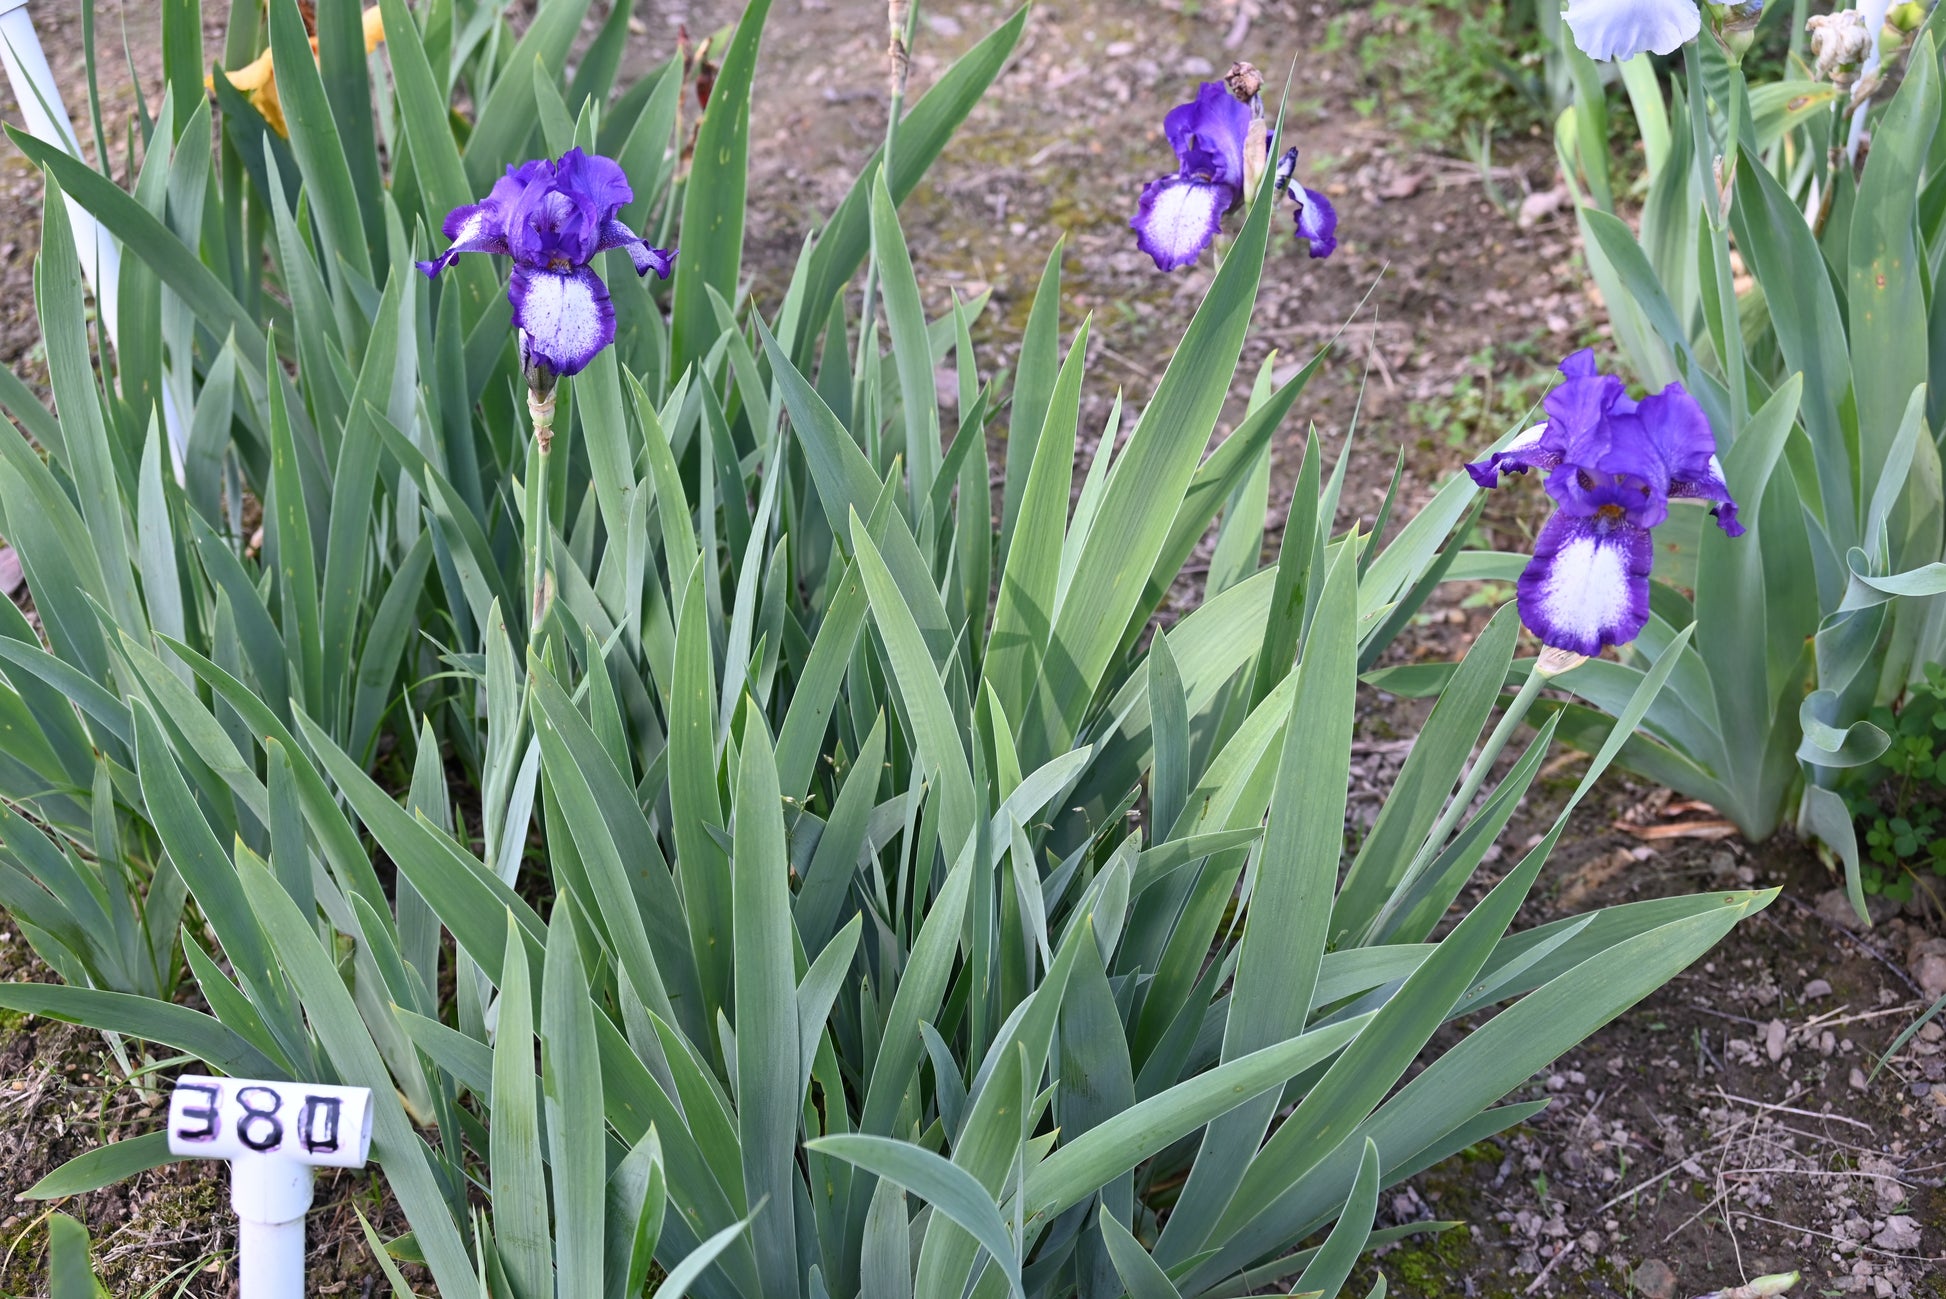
x=893 y=912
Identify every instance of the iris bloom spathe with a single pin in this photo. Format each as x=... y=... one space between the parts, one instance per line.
x=552 y=218
x=1216 y=137
x=1612 y=465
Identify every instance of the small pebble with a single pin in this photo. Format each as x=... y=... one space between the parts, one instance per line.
x=1654 y=1279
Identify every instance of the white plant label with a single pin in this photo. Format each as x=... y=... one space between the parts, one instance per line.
x=237 y=1118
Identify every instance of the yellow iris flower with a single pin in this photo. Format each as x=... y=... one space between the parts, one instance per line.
x=258 y=78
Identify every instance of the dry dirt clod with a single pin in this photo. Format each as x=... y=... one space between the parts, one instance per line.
x=1834 y=906
x=1776 y=1035
x=1654 y=1279
x=1899 y=1233
x=1927 y=965
x=1816 y=988
x=1537 y=207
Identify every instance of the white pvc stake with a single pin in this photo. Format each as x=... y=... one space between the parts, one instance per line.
x=39 y=98
x=273 y=1134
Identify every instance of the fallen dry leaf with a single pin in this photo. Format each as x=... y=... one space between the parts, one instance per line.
x=1680 y=830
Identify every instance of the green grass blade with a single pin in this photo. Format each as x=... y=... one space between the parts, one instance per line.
x=816 y=695
x=638 y=1197
x=205 y=867
x=335 y=1020
x=571 y=1083
x=156 y=543
x=1288 y=922
x=686 y=1273
x=916 y=998
x=348 y=860
x=818 y=991
x=1494 y=1059
x=643 y=923
x=827 y=880
x=1331 y=1268
x=392 y=626
x=145 y=1019
x=103 y=1166
x=144 y=237
x=767 y=1048
x=347 y=540
x=1431 y=772
x=948 y=1188
x=905 y=317
x=1023 y=619
x=1078 y=1168
x=922 y=133
x=71 y=374
x=1297 y=560
x=288 y=535
x=506 y=120
x=343 y=70
x=1369 y=1068
x=713 y=201
x=938 y=736
x=886 y=1267
x=1034 y=379
x=70 y=1271
x=315 y=140
x=1169 y=723
x=1141 y=1274
x=694 y=802
x=1885 y=294
x=468 y=898
x=1151 y=477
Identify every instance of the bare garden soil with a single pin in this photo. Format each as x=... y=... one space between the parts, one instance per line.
x=1725 y=1128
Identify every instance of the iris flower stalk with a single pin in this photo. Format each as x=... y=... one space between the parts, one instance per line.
x=552 y=217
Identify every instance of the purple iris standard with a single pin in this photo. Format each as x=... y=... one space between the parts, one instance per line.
x=552 y=218
x=1215 y=136
x=1612 y=465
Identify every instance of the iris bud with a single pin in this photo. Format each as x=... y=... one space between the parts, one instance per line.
x=1735 y=25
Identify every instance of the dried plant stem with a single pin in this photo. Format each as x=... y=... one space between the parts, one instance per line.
x=540 y=409
x=899 y=18
x=898 y=56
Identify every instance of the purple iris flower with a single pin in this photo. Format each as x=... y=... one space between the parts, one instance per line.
x=1215 y=137
x=552 y=218
x=1612 y=465
x=1317 y=220
x=1180 y=214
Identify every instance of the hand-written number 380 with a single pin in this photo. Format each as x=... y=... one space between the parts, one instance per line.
x=260 y=1124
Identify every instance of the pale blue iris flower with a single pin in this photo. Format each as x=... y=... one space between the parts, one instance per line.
x=1622 y=29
